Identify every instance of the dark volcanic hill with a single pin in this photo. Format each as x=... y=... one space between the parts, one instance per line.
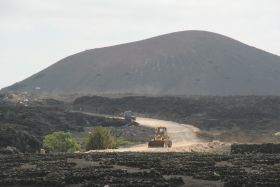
x=181 y=63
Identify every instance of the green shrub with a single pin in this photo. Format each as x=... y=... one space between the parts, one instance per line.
x=99 y=138
x=61 y=142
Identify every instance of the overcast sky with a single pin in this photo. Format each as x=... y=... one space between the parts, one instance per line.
x=36 y=33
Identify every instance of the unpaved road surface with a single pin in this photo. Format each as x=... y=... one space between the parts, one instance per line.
x=181 y=134
x=184 y=138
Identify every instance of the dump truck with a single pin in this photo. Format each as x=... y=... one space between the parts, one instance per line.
x=128 y=116
x=160 y=139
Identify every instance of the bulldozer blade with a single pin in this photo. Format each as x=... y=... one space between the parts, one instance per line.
x=156 y=144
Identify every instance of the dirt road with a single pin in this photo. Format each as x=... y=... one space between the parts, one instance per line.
x=184 y=138
x=181 y=134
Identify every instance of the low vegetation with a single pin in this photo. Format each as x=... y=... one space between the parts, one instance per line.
x=99 y=138
x=61 y=142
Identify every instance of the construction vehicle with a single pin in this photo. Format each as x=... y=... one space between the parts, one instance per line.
x=160 y=139
x=128 y=116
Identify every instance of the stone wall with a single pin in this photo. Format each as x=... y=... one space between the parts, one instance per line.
x=255 y=148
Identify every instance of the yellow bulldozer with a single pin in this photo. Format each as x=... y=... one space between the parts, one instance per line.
x=160 y=139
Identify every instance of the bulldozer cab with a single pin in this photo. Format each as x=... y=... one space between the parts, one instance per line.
x=160 y=139
x=128 y=116
x=161 y=130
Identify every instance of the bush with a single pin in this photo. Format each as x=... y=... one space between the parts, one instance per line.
x=99 y=138
x=61 y=142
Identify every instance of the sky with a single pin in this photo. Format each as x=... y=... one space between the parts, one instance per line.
x=37 y=33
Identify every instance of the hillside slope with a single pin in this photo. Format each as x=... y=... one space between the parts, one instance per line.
x=181 y=63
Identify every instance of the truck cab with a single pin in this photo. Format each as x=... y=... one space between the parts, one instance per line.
x=128 y=116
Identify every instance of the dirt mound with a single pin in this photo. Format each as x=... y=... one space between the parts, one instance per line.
x=180 y=63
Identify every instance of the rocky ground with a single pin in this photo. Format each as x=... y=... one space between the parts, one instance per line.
x=25 y=120
x=233 y=118
x=140 y=169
